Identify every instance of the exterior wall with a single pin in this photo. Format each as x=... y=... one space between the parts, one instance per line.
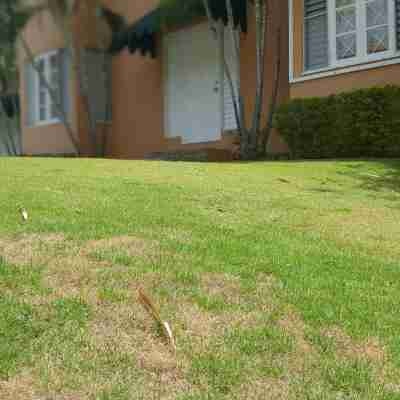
x=340 y=80
x=345 y=82
x=297 y=37
x=42 y=35
x=137 y=96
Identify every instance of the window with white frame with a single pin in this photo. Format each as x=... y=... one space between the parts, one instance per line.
x=353 y=32
x=49 y=66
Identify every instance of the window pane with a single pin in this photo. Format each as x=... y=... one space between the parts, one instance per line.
x=40 y=65
x=377 y=40
x=377 y=13
x=343 y=3
x=316 y=36
x=42 y=98
x=346 y=20
x=346 y=46
x=53 y=111
x=53 y=61
x=42 y=114
x=55 y=84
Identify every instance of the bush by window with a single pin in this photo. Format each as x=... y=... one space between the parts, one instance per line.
x=362 y=123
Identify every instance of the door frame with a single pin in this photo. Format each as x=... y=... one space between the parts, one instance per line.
x=219 y=79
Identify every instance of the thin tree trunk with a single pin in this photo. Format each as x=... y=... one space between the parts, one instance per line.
x=274 y=100
x=261 y=33
x=79 y=66
x=84 y=87
x=107 y=111
x=244 y=135
x=17 y=124
x=6 y=144
x=11 y=138
x=7 y=137
x=53 y=96
x=10 y=78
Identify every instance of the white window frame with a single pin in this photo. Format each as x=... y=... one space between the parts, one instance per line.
x=48 y=102
x=390 y=57
x=362 y=56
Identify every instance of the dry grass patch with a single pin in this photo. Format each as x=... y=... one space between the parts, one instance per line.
x=131 y=246
x=268 y=388
x=127 y=329
x=70 y=277
x=370 y=349
x=30 y=248
x=371 y=228
x=295 y=326
x=224 y=285
x=20 y=387
x=229 y=288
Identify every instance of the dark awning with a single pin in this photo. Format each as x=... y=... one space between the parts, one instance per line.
x=141 y=34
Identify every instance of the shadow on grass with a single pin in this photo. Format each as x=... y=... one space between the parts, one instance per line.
x=382 y=175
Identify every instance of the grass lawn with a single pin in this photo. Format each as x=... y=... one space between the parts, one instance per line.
x=280 y=280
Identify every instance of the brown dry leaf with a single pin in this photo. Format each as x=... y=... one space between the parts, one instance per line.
x=150 y=307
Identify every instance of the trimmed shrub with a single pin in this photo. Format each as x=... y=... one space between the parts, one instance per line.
x=362 y=123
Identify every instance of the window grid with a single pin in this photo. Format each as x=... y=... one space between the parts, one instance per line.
x=359 y=31
x=46 y=111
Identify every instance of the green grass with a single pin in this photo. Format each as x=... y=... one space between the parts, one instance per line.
x=234 y=251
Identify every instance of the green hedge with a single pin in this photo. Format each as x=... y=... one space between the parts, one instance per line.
x=362 y=123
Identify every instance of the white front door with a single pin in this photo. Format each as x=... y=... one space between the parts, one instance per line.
x=193 y=106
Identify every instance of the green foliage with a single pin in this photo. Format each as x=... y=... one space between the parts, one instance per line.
x=17 y=330
x=221 y=374
x=20 y=279
x=12 y=19
x=362 y=123
x=266 y=339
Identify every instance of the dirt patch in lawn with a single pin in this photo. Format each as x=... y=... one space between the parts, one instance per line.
x=19 y=387
x=295 y=326
x=370 y=349
x=30 y=249
x=223 y=285
x=269 y=388
x=229 y=288
x=131 y=246
x=128 y=329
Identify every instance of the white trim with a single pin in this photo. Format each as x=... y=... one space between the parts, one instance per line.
x=221 y=72
x=362 y=55
x=328 y=72
x=390 y=57
x=47 y=72
x=291 y=56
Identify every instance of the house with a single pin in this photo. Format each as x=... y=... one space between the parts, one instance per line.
x=168 y=89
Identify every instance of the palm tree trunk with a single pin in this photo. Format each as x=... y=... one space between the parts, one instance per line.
x=11 y=138
x=84 y=88
x=267 y=130
x=107 y=106
x=261 y=29
x=244 y=135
